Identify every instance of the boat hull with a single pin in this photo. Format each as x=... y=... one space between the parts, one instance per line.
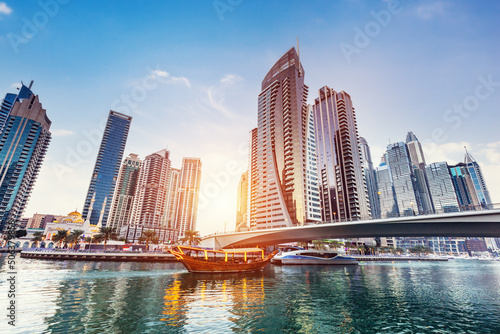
x=313 y=257
x=302 y=261
x=206 y=264
x=200 y=266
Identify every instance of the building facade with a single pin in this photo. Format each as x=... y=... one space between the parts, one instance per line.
x=107 y=166
x=387 y=196
x=464 y=187
x=23 y=144
x=370 y=177
x=186 y=212
x=478 y=179
x=403 y=179
x=242 y=202
x=123 y=197
x=344 y=196
x=278 y=180
x=9 y=101
x=441 y=186
x=152 y=189
x=171 y=204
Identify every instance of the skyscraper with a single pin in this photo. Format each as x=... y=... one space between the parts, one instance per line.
x=123 y=197
x=23 y=144
x=441 y=187
x=152 y=189
x=387 y=197
x=279 y=182
x=415 y=151
x=464 y=187
x=186 y=212
x=342 y=184
x=478 y=179
x=252 y=179
x=171 y=204
x=371 y=178
x=403 y=179
x=9 y=101
x=242 y=201
x=107 y=166
x=417 y=161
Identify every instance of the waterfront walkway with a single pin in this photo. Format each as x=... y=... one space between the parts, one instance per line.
x=98 y=256
x=124 y=256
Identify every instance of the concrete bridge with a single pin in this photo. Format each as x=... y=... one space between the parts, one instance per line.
x=484 y=223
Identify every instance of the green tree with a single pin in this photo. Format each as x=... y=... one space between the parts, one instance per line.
x=105 y=234
x=75 y=237
x=336 y=244
x=191 y=237
x=319 y=244
x=37 y=237
x=147 y=236
x=60 y=236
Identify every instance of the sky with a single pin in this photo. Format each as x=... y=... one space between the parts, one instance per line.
x=189 y=73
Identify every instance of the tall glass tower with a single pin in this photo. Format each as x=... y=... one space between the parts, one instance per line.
x=371 y=177
x=441 y=187
x=403 y=179
x=9 y=101
x=464 y=187
x=107 y=167
x=23 y=144
x=478 y=179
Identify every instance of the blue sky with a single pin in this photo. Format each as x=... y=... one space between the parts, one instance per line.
x=191 y=72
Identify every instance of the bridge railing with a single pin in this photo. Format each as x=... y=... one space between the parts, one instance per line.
x=405 y=214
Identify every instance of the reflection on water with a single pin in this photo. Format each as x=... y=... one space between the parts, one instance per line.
x=95 y=297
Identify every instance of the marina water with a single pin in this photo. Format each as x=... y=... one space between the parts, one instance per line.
x=458 y=296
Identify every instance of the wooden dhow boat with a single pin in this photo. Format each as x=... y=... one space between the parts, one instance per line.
x=199 y=260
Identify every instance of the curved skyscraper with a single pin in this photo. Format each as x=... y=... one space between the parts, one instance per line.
x=284 y=196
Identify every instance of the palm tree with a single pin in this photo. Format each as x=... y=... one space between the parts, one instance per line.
x=75 y=236
x=147 y=236
x=319 y=244
x=37 y=237
x=106 y=234
x=59 y=237
x=191 y=237
x=336 y=244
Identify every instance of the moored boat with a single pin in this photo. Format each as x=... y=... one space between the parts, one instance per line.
x=199 y=260
x=312 y=256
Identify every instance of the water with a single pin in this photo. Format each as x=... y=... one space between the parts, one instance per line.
x=458 y=296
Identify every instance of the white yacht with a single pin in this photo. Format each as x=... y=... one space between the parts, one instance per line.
x=293 y=255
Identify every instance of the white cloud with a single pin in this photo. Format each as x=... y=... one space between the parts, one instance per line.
x=16 y=85
x=230 y=79
x=428 y=11
x=165 y=77
x=487 y=156
x=450 y=152
x=62 y=132
x=491 y=152
x=4 y=9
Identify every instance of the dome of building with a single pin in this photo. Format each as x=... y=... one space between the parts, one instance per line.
x=75 y=214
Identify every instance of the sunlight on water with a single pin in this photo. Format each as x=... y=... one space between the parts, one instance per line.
x=404 y=297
